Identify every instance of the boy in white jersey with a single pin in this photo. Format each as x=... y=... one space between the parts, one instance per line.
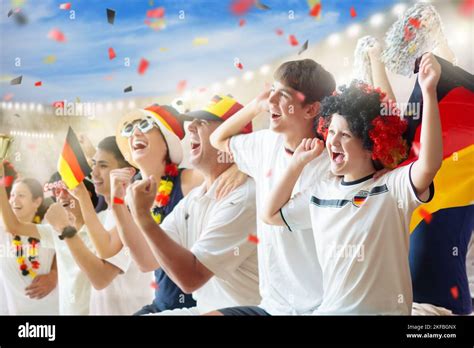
x=360 y=223
x=289 y=272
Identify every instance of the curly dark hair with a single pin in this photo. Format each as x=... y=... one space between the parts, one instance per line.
x=361 y=106
x=358 y=108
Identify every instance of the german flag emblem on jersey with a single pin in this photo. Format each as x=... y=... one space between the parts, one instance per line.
x=360 y=198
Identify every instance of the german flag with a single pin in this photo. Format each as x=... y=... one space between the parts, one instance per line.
x=72 y=164
x=441 y=229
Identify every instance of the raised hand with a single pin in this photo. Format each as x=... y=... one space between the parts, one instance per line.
x=429 y=73
x=142 y=194
x=120 y=179
x=261 y=101
x=308 y=150
x=58 y=217
x=229 y=180
x=80 y=192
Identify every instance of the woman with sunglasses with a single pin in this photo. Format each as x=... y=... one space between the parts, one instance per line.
x=28 y=272
x=150 y=140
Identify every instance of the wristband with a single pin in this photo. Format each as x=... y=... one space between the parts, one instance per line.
x=68 y=232
x=118 y=201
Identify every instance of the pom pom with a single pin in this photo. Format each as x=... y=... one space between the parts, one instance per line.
x=362 y=69
x=418 y=31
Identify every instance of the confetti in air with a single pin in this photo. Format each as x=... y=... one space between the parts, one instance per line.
x=143 y=66
x=56 y=35
x=65 y=6
x=426 y=215
x=293 y=41
x=112 y=54
x=110 y=16
x=253 y=239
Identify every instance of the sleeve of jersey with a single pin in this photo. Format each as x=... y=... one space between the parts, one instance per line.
x=296 y=213
x=227 y=231
x=400 y=184
x=175 y=222
x=47 y=235
x=121 y=260
x=246 y=151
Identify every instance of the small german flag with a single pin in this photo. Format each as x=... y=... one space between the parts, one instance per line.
x=360 y=198
x=72 y=164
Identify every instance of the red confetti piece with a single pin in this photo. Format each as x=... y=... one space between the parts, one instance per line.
x=415 y=22
x=38 y=83
x=300 y=96
x=158 y=12
x=279 y=32
x=241 y=7
x=293 y=40
x=253 y=238
x=8 y=97
x=269 y=173
x=58 y=104
x=455 y=292
x=466 y=8
x=242 y=22
x=65 y=6
x=353 y=12
x=426 y=215
x=181 y=86
x=315 y=10
x=56 y=35
x=112 y=54
x=155 y=285
x=108 y=77
x=239 y=65
x=143 y=66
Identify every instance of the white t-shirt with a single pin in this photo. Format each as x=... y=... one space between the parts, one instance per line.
x=361 y=230
x=13 y=283
x=216 y=232
x=289 y=271
x=130 y=290
x=3 y=297
x=470 y=265
x=74 y=287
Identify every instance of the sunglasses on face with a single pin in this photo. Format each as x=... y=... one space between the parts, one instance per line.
x=144 y=125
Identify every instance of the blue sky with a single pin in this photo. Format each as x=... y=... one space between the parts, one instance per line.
x=82 y=63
